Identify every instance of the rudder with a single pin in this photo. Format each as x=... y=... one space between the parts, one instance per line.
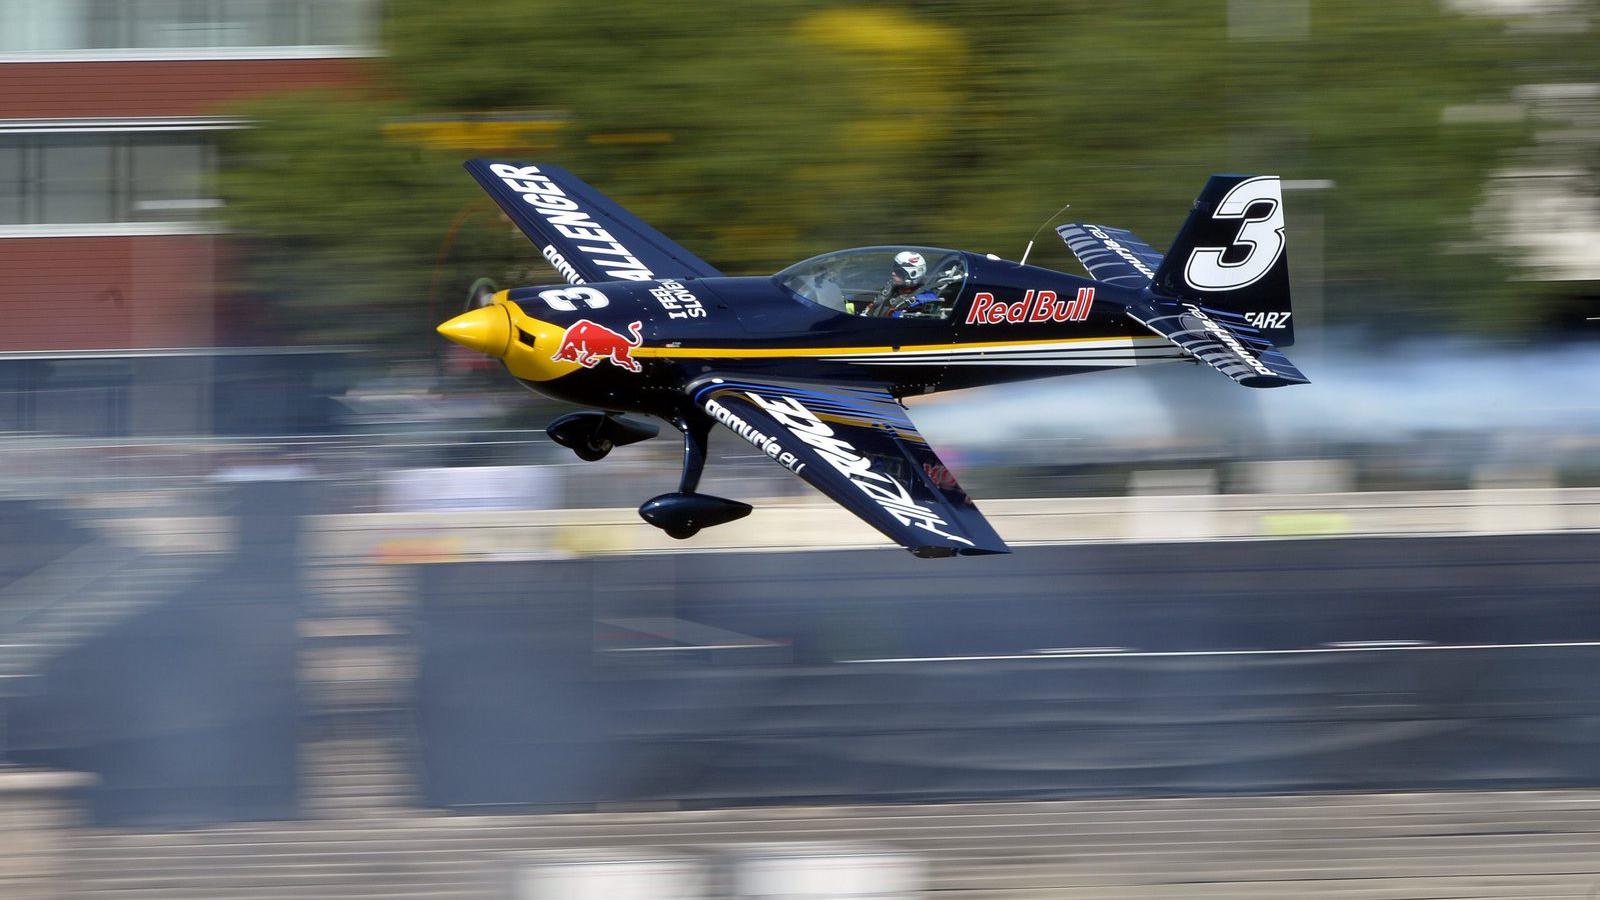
x=1231 y=255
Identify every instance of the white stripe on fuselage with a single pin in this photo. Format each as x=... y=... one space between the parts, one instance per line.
x=1091 y=354
x=1068 y=346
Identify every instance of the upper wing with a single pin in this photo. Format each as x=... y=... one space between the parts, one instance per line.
x=582 y=232
x=1220 y=339
x=1116 y=255
x=858 y=447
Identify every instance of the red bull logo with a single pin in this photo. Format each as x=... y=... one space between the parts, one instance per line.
x=1035 y=306
x=587 y=343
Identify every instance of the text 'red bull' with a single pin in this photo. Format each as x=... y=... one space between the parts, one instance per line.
x=1035 y=306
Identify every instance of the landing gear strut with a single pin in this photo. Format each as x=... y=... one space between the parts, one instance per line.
x=591 y=435
x=683 y=513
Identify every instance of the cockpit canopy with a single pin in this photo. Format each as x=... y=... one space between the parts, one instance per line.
x=881 y=281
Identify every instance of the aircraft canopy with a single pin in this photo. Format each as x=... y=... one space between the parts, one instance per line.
x=862 y=281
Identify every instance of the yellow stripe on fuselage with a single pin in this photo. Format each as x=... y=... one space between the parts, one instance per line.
x=537 y=363
x=792 y=352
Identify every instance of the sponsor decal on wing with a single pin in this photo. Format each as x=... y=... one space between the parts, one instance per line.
x=1228 y=340
x=574 y=222
x=561 y=265
x=587 y=343
x=1034 y=307
x=760 y=440
x=1127 y=256
x=883 y=489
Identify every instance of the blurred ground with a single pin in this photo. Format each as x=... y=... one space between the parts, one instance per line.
x=1410 y=846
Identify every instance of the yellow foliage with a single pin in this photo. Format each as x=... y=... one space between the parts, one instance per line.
x=473 y=135
x=907 y=70
x=881 y=31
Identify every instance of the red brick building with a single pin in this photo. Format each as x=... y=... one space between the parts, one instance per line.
x=108 y=114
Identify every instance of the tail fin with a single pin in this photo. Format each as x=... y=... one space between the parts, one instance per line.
x=1230 y=256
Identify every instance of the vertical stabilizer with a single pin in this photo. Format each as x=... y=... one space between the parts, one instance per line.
x=1231 y=255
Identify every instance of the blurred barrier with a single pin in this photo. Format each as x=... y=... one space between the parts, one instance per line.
x=37 y=808
x=1123 y=669
x=472 y=488
x=617 y=875
x=588 y=677
x=788 y=524
x=1461 y=845
x=799 y=871
x=185 y=705
x=772 y=871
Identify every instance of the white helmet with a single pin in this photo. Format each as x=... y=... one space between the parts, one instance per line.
x=912 y=264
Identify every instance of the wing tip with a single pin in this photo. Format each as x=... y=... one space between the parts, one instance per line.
x=946 y=551
x=1001 y=550
x=1276 y=381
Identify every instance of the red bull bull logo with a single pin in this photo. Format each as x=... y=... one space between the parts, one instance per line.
x=587 y=343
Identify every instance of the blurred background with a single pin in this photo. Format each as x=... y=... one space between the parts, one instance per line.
x=297 y=600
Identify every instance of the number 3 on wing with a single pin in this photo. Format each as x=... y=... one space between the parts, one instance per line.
x=567 y=299
x=1261 y=236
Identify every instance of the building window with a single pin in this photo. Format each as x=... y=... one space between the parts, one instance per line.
x=11 y=195
x=176 y=26
x=75 y=179
x=105 y=178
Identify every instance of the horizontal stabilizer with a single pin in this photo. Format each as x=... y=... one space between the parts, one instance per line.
x=1114 y=255
x=1220 y=339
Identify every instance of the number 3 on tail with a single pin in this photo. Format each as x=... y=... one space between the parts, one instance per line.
x=1261 y=236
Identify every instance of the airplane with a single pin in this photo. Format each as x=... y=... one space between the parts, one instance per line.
x=811 y=365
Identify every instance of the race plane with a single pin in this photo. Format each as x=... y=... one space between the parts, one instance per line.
x=810 y=365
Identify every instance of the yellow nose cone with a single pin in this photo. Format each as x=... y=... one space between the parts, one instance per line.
x=486 y=329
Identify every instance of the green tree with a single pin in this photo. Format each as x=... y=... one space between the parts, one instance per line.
x=343 y=231
x=1124 y=111
x=757 y=134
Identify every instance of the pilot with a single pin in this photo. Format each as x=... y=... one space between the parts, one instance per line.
x=905 y=293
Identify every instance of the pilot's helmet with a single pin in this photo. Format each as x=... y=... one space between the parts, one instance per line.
x=909 y=267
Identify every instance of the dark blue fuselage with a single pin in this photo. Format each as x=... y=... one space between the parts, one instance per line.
x=1004 y=322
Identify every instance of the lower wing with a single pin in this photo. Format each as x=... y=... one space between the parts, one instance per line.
x=858 y=447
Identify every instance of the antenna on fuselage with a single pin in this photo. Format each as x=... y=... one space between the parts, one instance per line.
x=1052 y=218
